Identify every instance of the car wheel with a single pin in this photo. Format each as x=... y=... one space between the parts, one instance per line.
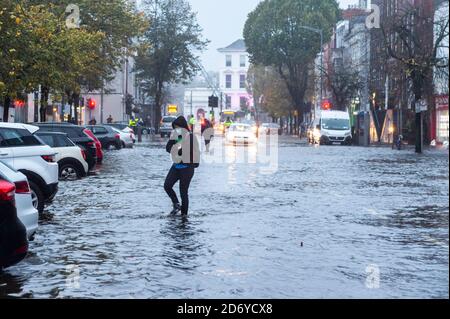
x=37 y=197
x=124 y=145
x=69 y=172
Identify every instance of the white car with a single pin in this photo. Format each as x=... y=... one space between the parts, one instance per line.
x=21 y=150
x=240 y=133
x=127 y=138
x=26 y=212
x=70 y=157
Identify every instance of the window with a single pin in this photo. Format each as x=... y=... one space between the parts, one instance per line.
x=243 y=61
x=72 y=132
x=17 y=137
x=228 y=81
x=228 y=102
x=47 y=139
x=100 y=130
x=242 y=81
x=63 y=141
x=229 y=60
x=243 y=102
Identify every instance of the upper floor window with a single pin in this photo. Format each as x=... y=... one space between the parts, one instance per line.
x=243 y=61
x=229 y=61
x=242 y=81
x=228 y=81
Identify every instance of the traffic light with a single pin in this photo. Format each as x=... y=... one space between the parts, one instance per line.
x=91 y=103
x=213 y=101
x=326 y=105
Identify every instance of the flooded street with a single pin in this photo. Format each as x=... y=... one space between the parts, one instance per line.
x=331 y=222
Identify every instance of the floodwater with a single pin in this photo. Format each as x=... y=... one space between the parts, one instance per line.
x=329 y=222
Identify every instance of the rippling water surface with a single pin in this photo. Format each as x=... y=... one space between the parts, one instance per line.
x=317 y=228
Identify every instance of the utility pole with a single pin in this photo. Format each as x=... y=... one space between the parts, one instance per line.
x=192 y=107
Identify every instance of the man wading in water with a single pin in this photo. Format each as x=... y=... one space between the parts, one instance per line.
x=184 y=149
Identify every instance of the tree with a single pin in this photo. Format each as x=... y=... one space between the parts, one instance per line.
x=269 y=91
x=170 y=47
x=408 y=36
x=345 y=84
x=38 y=50
x=275 y=36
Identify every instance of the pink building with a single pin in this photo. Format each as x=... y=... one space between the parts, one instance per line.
x=233 y=76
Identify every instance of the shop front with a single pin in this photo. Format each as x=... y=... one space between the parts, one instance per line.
x=442 y=119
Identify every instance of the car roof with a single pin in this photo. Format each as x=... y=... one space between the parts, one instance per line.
x=28 y=127
x=335 y=114
x=50 y=133
x=240 y=124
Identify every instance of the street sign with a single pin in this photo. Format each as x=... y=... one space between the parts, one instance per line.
x=172 y=109
x=421 y=106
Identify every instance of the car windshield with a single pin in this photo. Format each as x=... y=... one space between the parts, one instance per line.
x=240 y=128
x=168 y=119
x=336 y=124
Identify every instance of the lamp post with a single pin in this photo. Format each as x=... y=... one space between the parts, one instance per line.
x=320 y=31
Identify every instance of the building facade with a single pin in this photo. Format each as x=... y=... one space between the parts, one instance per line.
x=234 y=65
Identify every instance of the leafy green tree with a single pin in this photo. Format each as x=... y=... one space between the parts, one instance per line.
x=275 y=36
x=170 y=48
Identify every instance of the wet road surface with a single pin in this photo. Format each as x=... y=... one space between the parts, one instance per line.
x=331 y=222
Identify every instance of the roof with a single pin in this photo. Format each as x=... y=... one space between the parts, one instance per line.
x=31 y=128
x=238 y=45
x=334 y=114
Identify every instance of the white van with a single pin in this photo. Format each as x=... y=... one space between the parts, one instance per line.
x=333 y=127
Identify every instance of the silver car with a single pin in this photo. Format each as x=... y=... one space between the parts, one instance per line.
x=26 y=212
x=165 y=128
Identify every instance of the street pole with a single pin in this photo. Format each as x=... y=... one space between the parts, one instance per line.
x=192 y=107
x=321 y=68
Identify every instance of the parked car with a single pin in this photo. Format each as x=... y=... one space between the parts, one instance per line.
x=13 y=234
x=70 y=157
x=126 y=139
x=26 y=212
x=269 y=129
x=77 y=134
x=165 y=128
x=124 y=128
x=333 y=128
x=21 y=150
x=106 y=135
x=240 y=133
x=310 y=131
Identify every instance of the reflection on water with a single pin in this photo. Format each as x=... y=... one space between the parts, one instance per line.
x=310 y=229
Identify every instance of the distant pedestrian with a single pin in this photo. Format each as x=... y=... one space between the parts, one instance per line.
x=93 y=121
x=183 y=147
x=109 y=120
x=206 y=133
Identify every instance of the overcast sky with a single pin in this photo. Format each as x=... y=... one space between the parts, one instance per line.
x=223 y=23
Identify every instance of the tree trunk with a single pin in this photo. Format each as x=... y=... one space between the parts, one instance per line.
x=158 y=97
x=6 y=105
x=44 y=103
x=76 y=104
